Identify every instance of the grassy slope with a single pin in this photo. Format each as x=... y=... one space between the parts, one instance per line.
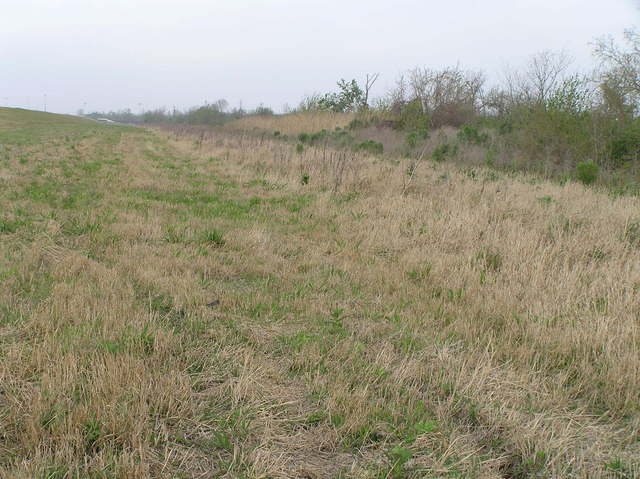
x=476 y=326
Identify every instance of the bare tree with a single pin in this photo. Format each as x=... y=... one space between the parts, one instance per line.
x=542 y=77
x=622 y=65
x=368 y=84
x=543 y=74
x=450 y=96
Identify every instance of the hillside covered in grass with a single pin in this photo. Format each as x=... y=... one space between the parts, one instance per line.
x=211 y=303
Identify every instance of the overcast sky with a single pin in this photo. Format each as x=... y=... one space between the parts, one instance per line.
x=104 y=55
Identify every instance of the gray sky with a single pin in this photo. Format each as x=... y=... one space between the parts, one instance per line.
x=150 y=53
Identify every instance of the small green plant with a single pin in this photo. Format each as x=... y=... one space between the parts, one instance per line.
x=490 y=157
x=172 y=235
x=303 y=137
x=417 y=275
x=9 y=226
x=147 y=340
x=92 y=433
x=213 y=237
x=112 y=347
x=399 y=456
x=617 y=466
x=276 y=133
x=222 y=441
x=632 y=233
x=489 y=259
x=299 y=148
x=587 y=172
x=305 y=179
x=55 y=472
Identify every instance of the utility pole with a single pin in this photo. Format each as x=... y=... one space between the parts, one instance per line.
x=45 y=102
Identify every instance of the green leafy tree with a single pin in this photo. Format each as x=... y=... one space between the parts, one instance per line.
x=349 y=97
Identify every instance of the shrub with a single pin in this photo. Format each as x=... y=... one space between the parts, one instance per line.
x=299 y=148
x=471 y=135
x=587 y=172
x=412 y=117
x=625 y=145
x=305 y=179
x=444 y=151
x=303 y=137
x=413 y=137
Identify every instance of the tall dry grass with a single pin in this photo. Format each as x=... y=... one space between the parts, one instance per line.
x=293 y=123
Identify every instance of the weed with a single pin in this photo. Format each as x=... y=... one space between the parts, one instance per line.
x=631 y=233
x=8 y=226
x=546 y=200
x=92 y=433
x=489 y=259
x=399 y=456
x=173 y=235
x=213 y=237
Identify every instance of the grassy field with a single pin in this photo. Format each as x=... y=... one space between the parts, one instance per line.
x=221 y=305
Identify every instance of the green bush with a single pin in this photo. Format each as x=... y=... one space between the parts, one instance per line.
x=625 y=144
x=444 y=151
x=370 y=146
x=299 y=148
x=587 y=172
x=415 y=135
x=412 y=118
x=471 y=135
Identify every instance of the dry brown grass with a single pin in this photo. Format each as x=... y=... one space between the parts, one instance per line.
x=293 y=123
x=478 y=325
